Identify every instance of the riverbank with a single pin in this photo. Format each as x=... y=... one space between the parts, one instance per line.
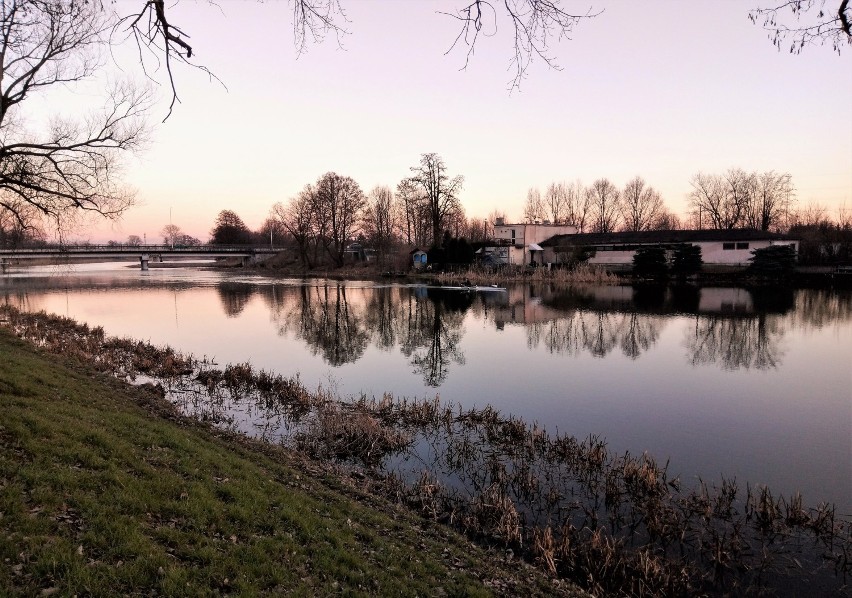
x=621 y=523
x=802 y=277
x=105 y=489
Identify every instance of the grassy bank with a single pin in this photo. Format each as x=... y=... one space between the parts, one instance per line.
x=106 y=490
x=617 y=523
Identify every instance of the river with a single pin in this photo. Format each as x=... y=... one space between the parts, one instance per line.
x=751 y=383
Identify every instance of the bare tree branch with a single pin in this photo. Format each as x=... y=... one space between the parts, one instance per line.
x=813 y=24
x=164 y=41
x=535 y=24
x=313 y=20
x=71 y=165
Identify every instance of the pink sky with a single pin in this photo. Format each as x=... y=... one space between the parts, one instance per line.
x=662 y=89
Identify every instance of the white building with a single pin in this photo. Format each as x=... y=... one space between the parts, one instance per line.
x=718 y=247
x=520 y=244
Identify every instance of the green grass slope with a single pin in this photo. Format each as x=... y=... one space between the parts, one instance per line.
x=105 y=491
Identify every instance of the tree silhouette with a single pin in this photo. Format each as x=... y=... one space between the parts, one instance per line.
x=230 y=229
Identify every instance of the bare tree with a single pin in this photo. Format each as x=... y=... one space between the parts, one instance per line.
x=577 y=205
x=555 y=203
x=604 y=201
x=706 y=199
x=493 y=217
x=666 y=220
x=380 y=220
x=171 y=234
x=739 y=190
x=20 y=226
x=338 y=201
x=477 y=228
x=298 y=220
x=410 y=206
x=813 y=214
x=533 y=207
x=803 y=23
x=271 y=231
x=770 y=201
x=722 y=201
x=640 y=205
x=68 y=165
x=134 y=240
x=440 y=192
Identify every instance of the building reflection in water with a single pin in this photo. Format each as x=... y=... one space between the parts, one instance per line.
x=732 y=328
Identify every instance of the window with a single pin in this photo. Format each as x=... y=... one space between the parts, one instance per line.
x=727 y=246
x=742 y=245
x=513 y=235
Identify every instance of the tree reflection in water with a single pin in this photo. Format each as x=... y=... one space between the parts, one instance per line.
x=736 y=343
x=329 y=325
x=734 y=328
x=433 y=333
x=339 y=322
x=234 y=297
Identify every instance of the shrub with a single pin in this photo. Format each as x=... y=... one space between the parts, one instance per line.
x=773 y=261
x=650 y=261
x=686 y=260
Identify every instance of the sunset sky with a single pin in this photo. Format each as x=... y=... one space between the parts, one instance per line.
x=661 y=89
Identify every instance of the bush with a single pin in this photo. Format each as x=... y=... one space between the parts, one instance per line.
x=686 y=260
x=650 y=261
x=773 y=261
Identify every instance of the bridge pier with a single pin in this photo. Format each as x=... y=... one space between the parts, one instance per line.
x=143 y=262
x=2 y=264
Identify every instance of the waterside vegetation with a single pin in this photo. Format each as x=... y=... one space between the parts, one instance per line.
x=615 y=523
x=106 y=489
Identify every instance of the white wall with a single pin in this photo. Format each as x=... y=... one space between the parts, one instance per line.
x=712 y=253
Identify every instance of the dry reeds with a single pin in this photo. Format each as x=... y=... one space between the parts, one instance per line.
x=583 y=273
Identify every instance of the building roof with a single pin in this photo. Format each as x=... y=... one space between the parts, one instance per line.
x=666 y=236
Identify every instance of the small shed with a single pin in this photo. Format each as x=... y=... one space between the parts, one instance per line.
x=418 y=259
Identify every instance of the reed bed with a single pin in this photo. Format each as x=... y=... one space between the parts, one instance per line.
x=583 y=273
x=615 y=523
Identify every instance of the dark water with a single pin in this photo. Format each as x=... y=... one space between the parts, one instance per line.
x=752 y=383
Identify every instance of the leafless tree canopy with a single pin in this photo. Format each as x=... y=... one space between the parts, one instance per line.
x=802 y=23
x=325 y=216
x=740 y=199
x=68 y=165
x=412 y=220
x=533 y=207
x=380 y=220
x=555 y=203
x=441 y=192
x=604 y=202
x=535 y=25
x=641 y=205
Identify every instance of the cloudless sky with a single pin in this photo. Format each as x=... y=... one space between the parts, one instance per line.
x=663 y=89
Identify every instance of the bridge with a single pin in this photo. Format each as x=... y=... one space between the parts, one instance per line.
x=145 y=253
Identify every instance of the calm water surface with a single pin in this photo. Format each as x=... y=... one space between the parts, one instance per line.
x=755 y=384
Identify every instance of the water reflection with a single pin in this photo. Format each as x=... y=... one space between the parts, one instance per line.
x=735 y=380
x=234 y=296
x=729 y=328
x=735 y=343
x=328 y=319
x=433 y=332
x=339 y=323
x=733 y=328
